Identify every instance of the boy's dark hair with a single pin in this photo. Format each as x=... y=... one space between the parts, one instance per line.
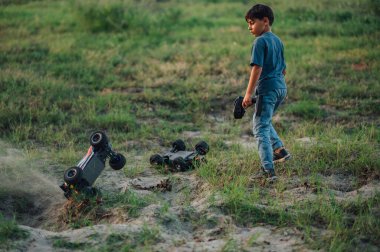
x=260 y=11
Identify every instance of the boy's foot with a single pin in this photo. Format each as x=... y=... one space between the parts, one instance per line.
x=281 y=155
x=270 y=174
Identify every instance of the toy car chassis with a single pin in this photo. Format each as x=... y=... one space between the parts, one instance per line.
x=178 y=159
x=80 y=178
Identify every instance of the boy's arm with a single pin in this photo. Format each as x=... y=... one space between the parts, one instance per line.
x=255 y=74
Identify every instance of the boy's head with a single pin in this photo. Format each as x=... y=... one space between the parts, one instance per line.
x=259 y=18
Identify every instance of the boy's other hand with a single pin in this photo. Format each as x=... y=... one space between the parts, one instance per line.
x=247 y=101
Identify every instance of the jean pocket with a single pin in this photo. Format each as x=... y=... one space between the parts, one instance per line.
x=259 y=105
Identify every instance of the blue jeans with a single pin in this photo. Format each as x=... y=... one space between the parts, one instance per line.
x=265 y=134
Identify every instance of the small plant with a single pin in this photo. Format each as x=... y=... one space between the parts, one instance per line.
x=10 y=231
x=63 y=243
x=147 y=236
x=127 y=200
x=231 y=246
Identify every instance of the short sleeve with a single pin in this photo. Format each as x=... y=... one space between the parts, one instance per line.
x=282 y=54
x=258 y=51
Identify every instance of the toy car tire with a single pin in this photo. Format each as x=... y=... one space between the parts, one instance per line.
x=202 y=148
x=179 y=164
x=117 y=162
x=73 y=175
x=156 y=159
x=98 y=139
x=178 y=145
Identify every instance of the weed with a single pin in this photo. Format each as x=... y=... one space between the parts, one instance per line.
x=63 y=243
x=148 y=236
x=128 y=200
x=10 y=231
x=347 y=232
x=230 y=246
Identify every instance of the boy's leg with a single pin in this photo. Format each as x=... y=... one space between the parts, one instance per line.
x=279 y=152
x=275 y=139
x=262 y=130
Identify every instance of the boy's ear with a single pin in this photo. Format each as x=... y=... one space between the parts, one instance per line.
x=266 y=20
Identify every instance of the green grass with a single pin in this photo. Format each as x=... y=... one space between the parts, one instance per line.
x=333 y=150
x=10 y=232
x=349 y=232
x=145 y=76
x=88 y=211
x=129 y=201
x=141 y=240
x=306 y=109
x=62 y=243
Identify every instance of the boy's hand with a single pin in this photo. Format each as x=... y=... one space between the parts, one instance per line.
x=247 y=101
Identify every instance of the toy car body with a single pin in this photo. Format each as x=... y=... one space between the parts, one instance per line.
x=80 y=178
x=178 y=159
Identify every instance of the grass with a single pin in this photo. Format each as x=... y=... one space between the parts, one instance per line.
x=129 y=201
x=349 y=231
x=62 y=243
x=10 y=232
x=148 y=75
x=306 y=109
x=333 y=150
x=84 y=211
x=141 y=240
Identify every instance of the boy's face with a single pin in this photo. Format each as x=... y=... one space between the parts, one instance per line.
x=257 y=26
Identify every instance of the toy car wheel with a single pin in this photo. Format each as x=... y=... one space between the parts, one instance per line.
x=156 y=159
x=73 y=175
x=117 y=162
x=98 y=139
x=202 y=148
x=178 y=145
x=179 y=164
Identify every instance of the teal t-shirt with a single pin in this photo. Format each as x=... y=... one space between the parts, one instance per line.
x=268 y=52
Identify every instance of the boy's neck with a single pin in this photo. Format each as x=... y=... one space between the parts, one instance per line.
x=266 y=29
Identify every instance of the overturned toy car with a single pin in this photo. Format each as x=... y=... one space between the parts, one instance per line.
x=178 y=159
x=80 y=178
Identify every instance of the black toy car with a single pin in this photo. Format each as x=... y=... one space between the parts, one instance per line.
x=81 y=177
x=178 y=159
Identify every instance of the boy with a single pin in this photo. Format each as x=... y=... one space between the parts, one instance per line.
x=268 y=80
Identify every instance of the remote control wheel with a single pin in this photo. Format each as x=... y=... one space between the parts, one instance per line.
x=117 y=162
x=178 y=145
x=202 y=148
x=73 y=175
x=156 y=159
x=98 y=140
